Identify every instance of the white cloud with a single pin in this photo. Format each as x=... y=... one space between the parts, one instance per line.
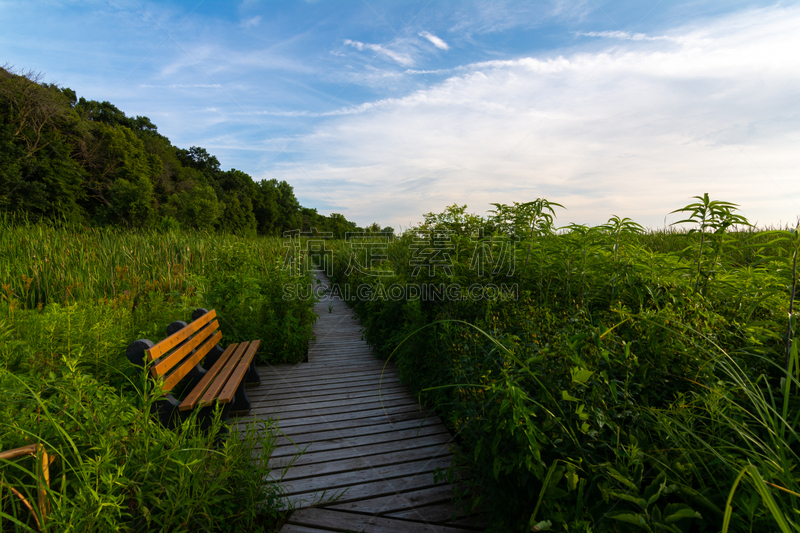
x=437 y=42
x=624 y=35
x=502 y=15
x=401 y=58
x=633 y=130
x=252 y=22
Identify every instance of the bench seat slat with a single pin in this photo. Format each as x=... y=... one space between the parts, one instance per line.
x=163 y=366
x=189 y=363
x=233 y=382
x=178 y=337
x=222 y=378
x=193 y=397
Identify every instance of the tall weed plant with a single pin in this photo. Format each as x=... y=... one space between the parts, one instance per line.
x=116 y=469
x=71 y=300
x=632 y=381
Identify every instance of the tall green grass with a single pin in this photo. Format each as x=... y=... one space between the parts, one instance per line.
x=115 y=469
x=71 y=300
x=148 y=272
x=640 y=382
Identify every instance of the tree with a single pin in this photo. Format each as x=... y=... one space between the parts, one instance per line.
x=37 y=175
x=237 y=214
x=196 y=208
x=339 y=225
x=69 y=158
x=455 y=219
x=32 y=110
x=115 y=153
x=132 y=202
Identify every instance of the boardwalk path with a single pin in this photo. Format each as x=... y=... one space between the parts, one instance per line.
x=369 y=445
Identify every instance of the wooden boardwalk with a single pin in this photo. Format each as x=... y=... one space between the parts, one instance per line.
x=370 y=450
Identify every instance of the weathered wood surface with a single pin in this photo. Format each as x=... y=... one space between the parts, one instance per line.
x=369 y=449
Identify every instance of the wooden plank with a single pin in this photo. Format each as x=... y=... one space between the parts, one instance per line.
x=275 y=393
x=364 y=491
x=322 y=383
x=366 y=362
x=338 y=393
x=325 y=434
x=364 y=418
x=163 y=366
x=403 y=501
x=276 y=390
x=194 y=396
x=365 y=451
x=236 y=377
x=219 y=382
x=341 y=406
x=406 y=457
x=388 y=398
x=332 y=371
x=351 y=408
x=321 y=373
x=337 y=441
x=343 y=521
x=438 y=513
x=179 y=336
x=294 y=528
x=189 y=363
x=350 y=478
x=346 y=378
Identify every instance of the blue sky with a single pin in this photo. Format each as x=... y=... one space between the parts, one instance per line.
x=383 y=111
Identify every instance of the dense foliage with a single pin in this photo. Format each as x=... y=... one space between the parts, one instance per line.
x=71 y=300
x=633 y=380
x=70 y=159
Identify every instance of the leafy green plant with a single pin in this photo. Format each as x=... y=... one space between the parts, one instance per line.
x=658 y=383
x=71 y=300
x=619 y=229
x=713 y=218
x=113 y=457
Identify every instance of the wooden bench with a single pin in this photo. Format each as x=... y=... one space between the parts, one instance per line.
x=38 y=451
x=176 y=359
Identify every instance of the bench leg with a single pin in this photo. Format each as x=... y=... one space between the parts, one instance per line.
x=240 y=403
x=206 y=416
x=166 y=410
x=251 y=377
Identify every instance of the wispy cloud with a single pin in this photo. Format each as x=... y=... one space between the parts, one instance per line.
x=629 y=122
x=629 y=129
x=437 y=42
x=351 y=110
x=502 y=15
x=401 y=58
x=625 y=36
x=251 y=22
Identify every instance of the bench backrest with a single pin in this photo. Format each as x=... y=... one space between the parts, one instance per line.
x=177 y=355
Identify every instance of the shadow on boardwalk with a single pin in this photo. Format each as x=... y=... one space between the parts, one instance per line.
x=370 y=449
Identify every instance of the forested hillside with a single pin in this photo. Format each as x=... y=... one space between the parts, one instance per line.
x=70 y=159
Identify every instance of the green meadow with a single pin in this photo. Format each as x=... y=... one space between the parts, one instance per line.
x=72 y=299
x=631 y=380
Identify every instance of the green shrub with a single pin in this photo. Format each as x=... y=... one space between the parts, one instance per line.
x=631 y=384
x=118 y=469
